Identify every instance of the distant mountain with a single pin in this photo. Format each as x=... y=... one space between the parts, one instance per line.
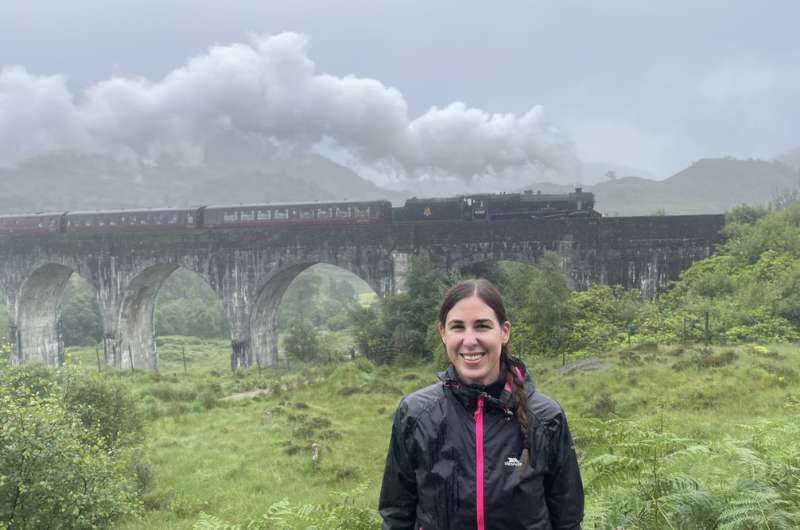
x=791 y=158
x=707 y=186
x=92 y=182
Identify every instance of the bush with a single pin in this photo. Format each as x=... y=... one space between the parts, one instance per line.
x=302 y=342
x=54 y=473
x=107 y=408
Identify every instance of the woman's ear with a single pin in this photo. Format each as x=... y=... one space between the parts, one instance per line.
x=440 y=327
x=506 y=329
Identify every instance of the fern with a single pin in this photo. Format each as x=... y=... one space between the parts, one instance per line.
x=758 y=508
x=211 y=522
x=283 y=515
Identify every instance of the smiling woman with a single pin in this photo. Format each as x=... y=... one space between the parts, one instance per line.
x=481 y=449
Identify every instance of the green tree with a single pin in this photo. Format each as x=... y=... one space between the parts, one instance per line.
x=302 y=342
x=545 y=306
x=54 y=473
x=80 y=315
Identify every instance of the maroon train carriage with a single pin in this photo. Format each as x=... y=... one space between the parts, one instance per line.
x=131 y=220
x=258 y=215
x=39 y=223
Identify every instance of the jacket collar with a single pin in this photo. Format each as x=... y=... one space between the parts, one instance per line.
x=468 y=394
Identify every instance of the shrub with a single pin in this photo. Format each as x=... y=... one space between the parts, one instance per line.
x=106 y=407
x=55 y=473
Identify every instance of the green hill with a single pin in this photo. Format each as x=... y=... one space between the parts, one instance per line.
x=711 y=185
x=91 y=182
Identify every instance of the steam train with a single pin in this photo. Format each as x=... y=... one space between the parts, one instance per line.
x=480 y=207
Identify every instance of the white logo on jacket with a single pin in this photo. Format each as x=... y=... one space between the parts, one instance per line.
x=512 y=462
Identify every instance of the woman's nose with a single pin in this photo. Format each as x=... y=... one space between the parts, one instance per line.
x=470 y=338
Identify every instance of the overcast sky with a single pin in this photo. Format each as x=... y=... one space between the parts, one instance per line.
x=653 y=85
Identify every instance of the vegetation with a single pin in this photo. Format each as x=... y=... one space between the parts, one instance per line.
x=87 y=182
x=67 y=457
x=678 y=425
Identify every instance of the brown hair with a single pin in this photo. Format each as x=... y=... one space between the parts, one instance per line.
x=488 y=293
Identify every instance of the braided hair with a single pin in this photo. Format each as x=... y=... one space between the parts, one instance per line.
x=488 y=293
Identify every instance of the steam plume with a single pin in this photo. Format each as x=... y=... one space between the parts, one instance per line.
x=266 y=93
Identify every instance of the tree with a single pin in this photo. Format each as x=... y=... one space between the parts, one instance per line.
x=302 y=342
x=548 y=309
x=80 y=316
x=55 y=473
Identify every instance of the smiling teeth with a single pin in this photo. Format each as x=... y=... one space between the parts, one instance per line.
x=472 y=356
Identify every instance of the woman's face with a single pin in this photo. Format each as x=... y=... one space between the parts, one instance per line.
x=473 y=339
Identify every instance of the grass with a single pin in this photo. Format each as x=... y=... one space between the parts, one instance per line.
x=234 y=458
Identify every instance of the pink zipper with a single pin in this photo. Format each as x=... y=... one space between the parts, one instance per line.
x=479 y=463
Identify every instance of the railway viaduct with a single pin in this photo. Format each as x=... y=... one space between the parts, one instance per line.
x=251 y=268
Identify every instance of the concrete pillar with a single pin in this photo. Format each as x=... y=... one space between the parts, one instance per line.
x=135 y=344
x=37 y=315
x=401 y=267
x=264 y=318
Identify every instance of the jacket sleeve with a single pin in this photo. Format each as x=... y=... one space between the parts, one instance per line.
x=563 y=486
x=398 y=501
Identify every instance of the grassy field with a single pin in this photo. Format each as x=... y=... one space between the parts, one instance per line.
x=232 y=444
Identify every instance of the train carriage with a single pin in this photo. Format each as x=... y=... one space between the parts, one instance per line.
x=131 y=220
x=260 y=215
x=38 y=223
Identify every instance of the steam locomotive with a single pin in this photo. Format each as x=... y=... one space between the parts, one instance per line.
x=497 y=206
x=480 y=207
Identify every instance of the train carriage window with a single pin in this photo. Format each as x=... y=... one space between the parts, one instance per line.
x=263 y=215
x=307 y=214
x=361 y=211
x=281 y=214
x=342 y=213
x=229 y=217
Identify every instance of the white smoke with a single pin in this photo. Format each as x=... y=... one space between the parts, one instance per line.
x=268 y=93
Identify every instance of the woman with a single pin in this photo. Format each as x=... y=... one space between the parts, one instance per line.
x=481 y=449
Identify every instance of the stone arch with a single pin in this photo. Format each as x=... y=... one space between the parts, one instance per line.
x=136 y=346
x=135 y=343
x=578 y=272
x=264 y=319
x=264 y=316
x=36 y=327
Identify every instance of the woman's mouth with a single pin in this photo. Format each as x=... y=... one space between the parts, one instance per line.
x=472 y=357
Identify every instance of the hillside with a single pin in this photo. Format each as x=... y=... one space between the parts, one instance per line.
x=791 y=158
x=90 y=182
x=710 y=185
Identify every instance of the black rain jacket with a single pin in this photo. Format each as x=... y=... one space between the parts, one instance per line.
x=435 y=463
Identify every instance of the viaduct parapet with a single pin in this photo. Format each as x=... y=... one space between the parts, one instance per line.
x=251 y=268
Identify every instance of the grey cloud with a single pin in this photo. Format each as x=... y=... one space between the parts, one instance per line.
x=270 y=89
